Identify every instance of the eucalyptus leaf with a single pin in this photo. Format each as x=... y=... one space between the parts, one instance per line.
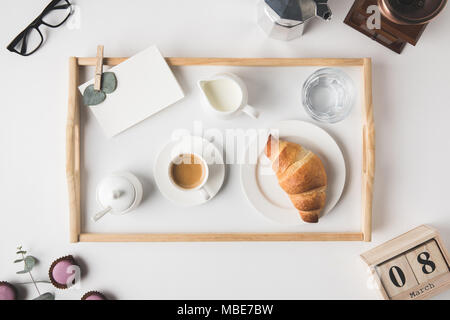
x=92 y=97
x=109 y=82
x=21 y=252
x=18 y=260
x=46 y=296
x=30 y=261
x=22 y=271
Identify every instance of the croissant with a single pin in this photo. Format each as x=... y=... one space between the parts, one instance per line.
x=300 y=174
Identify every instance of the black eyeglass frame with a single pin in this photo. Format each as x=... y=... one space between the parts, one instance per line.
x=36 y=24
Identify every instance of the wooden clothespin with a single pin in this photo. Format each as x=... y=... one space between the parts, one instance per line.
x=99 y=68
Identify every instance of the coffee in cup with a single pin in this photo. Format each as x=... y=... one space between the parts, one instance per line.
x=189 y=171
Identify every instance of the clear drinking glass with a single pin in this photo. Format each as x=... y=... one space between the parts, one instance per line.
x=328 y=95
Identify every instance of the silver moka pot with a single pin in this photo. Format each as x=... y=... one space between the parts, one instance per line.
x=285 y=19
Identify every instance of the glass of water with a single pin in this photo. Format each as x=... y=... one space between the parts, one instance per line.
x=328 y=95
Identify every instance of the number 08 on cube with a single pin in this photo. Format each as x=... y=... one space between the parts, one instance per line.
x=413 y=266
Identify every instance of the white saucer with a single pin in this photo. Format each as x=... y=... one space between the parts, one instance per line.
x=260 y=183
x=198 y=145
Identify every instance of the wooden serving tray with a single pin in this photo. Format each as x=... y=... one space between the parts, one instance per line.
x=368 y=166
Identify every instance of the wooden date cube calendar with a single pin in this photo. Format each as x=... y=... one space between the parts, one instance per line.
x=415 y=265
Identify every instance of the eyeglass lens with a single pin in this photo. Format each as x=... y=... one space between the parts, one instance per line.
x=30 y=41
x=58 y=15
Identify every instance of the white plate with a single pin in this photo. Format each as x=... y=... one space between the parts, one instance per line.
x=260 y=183
x=198 y=145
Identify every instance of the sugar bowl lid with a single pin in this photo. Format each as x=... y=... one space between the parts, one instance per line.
x=118 y=192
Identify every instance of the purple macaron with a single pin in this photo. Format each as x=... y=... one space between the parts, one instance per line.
x=62 y=271
x=7 y=291
x=93 y=295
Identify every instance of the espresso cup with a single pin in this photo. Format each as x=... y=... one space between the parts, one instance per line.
x=189 y=172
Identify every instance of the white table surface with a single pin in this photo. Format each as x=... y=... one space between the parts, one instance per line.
x=411 y=110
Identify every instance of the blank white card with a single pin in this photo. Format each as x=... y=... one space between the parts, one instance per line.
x=145 y=85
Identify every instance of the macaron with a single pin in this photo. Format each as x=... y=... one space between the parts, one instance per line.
x=7 y=291
x=93 y=295
x=61 y=271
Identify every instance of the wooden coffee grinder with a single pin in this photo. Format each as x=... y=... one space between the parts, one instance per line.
x=401 y=21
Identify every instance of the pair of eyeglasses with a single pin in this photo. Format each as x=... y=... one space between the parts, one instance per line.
x=30 y=39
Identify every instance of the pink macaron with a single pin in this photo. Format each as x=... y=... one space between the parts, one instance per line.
x=93 y=295
x=7 y=291
x=62 y=271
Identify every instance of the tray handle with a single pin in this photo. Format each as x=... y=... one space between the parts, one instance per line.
x=73 y=152
x=368 y=152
